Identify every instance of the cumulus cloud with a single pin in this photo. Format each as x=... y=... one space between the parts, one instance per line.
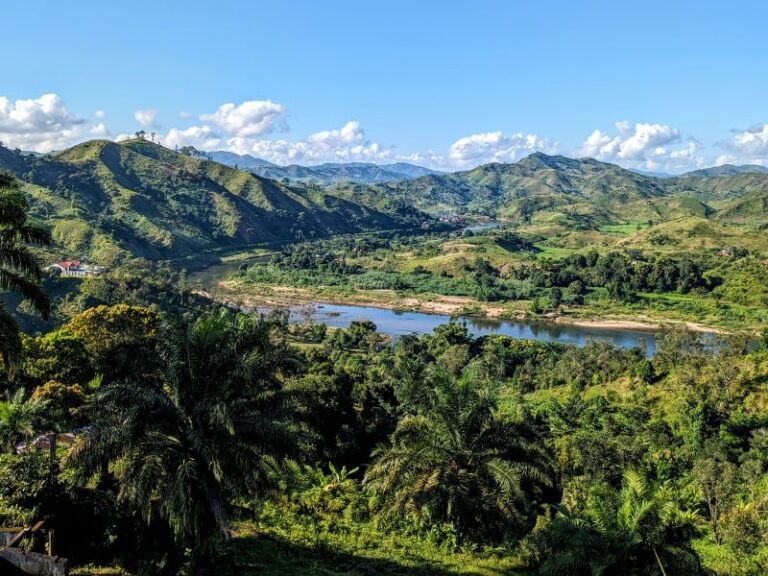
x=345 y=144
x=251 y=118
x=146 y=118
x=201 y=137
x=38 y=124
x=746 y=147
x=643 y=145
x=496 y=147
x=99 y=130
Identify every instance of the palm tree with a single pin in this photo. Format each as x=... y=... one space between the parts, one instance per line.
x=638 y=530
x=19 y=420
x=183 y=444
x=457 y=461
x=19 y=269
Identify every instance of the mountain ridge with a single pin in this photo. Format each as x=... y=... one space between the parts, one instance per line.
x=726 y=170
x=325 y=173
x=107 y=200
x=585 y=190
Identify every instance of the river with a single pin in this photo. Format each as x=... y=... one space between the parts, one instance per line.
x=397 y=323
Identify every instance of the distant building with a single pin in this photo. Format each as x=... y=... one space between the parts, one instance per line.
x=43 y=442
x=75 y=268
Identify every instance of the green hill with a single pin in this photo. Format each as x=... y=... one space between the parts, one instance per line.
x=104 y=200
x=582 y=193
x=728 y=170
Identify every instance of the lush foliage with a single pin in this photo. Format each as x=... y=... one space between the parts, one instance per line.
x=19 y=269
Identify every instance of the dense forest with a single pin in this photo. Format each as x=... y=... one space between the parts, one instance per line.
x=157 y=432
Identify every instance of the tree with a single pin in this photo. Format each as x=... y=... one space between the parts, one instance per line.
x=454 y=460
x=186 y=440
x=19 y=419
x=119 y=339
x=58 y=356
x=19 y=269
x=61 y=405
x=715 y=477
x=638 y=530
x=555 y=298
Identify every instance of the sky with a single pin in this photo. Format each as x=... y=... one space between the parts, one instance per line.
x=662 y=86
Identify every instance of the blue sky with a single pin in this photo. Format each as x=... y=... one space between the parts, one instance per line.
x=654 y=85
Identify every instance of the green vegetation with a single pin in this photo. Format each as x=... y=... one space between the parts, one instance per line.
x=511 y=272
x=223 y=443
x=111 y=201
x=19 y=270
x=205 y=440
x=579 y=194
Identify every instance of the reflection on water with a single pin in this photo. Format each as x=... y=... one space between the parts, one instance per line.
x=397 y=323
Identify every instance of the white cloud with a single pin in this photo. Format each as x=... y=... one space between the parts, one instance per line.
x=251 y=118
x=99 y=114
x=146 y=118
x=201 y=137
x=99 y=130
x=483 y=148
x=39 y=124
x=345 y=144
x=747 y=147
x=645 y=146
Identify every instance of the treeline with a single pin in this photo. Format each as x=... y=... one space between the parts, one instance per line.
x=623 y=274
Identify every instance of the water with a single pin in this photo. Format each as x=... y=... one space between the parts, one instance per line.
x=396 y=323
x=481 y=226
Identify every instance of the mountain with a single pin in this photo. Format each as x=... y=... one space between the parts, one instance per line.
x=241 y=161
x=536 y=181
x=653 y=174
x=726 y=170
x=323 y=174
x=583 y=193
x=751 y=208
x=105 y=200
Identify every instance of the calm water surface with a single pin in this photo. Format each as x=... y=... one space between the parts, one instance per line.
x=397 y=323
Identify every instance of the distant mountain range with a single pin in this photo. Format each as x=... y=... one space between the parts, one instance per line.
x=727 y=170
x=370 y=173
x=323 y=174
x=106 y=200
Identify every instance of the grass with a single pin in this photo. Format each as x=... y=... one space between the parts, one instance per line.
x=546 y=251
x=284 y=543
x=627 y=228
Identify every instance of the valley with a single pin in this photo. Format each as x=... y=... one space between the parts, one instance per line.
x=581 y=306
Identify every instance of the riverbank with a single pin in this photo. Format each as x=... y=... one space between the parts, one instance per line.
x=250 y=295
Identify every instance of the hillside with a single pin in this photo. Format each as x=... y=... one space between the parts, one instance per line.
x=727 y=170
x=576 y=193
x=323 y=174
x=104 y=199
x=538 y=182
